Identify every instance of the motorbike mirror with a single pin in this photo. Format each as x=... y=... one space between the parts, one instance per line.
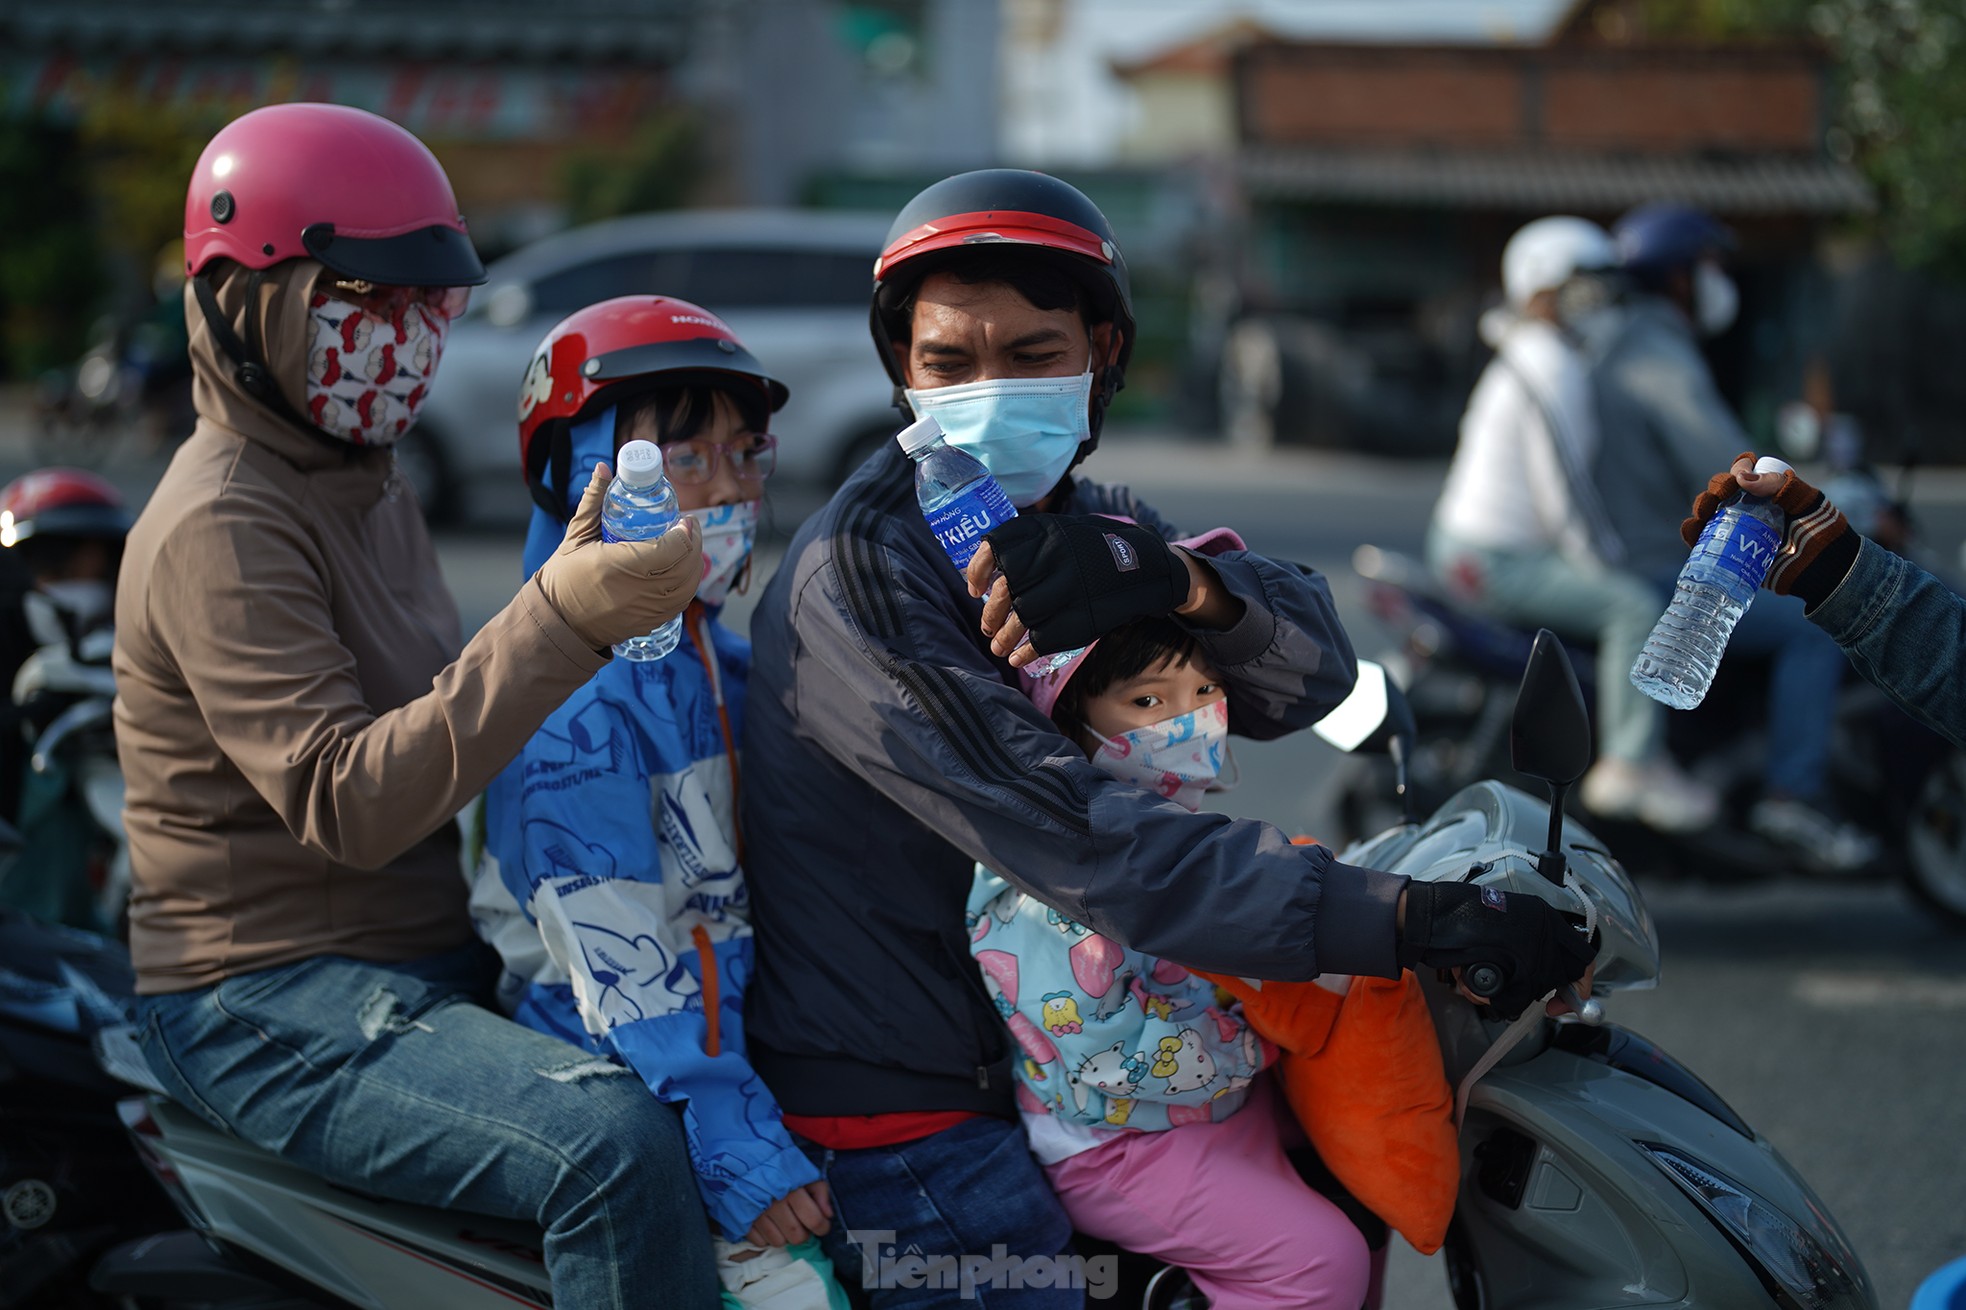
x=1550 y=735
x=1357 y=717
x=1375 y=717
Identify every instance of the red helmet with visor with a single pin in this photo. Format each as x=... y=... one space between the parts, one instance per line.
x=997 y=207
x=61 y=502
x=598 y=355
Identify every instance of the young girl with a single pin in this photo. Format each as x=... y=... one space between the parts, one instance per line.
x=1140 y=1093
x=616 y=827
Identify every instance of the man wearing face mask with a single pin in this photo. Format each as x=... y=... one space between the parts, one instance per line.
x=299 y=722
x=1662 y=425
x=890 y=749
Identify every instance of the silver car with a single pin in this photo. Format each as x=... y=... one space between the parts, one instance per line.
x=792 y=284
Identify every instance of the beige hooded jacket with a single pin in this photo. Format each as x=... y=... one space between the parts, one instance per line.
x=296 y=722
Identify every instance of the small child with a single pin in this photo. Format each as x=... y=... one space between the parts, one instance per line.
x=1139 y=1091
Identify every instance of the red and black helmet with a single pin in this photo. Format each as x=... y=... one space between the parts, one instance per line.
x=1002 y=207
x=61 y=502
x=596 y=356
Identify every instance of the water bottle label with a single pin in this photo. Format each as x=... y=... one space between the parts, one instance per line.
x=960 y=524
x=1741 y=544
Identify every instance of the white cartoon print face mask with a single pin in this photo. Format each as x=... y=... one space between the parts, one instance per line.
x=728 y=533
x=367 y=375
x=1177 y=758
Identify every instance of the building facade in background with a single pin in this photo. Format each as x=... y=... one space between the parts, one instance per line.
x=1380 y=182
x=772 y=92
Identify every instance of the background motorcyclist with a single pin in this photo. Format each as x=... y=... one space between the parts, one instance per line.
x=1520 y=533
x=1661 y=421
x=1901 y=627
x=61 y=540
x=299 y=722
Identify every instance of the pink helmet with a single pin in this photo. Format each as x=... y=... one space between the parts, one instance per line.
x=341 y=185
x=1044 y=689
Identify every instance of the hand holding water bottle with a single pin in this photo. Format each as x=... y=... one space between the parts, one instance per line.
x=611 y=591
x=1069 y=579
x=1733 y=554
x=1818 y=545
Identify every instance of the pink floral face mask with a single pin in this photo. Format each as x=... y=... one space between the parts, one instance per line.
x=1177 y=758
x=368 y=374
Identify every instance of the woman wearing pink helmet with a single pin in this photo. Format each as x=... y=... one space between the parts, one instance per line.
x=299 y=723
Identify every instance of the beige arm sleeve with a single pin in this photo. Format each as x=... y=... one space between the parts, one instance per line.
x=250 y=629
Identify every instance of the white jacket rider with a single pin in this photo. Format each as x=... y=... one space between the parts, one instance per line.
x=1520 y=532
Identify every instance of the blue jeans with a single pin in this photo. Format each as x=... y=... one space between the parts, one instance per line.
x=968 y=1198
x=392 y=1080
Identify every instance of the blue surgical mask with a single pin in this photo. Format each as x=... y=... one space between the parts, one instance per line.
x=1026 y=431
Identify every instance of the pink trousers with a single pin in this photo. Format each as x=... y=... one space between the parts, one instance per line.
x=1221 y=1201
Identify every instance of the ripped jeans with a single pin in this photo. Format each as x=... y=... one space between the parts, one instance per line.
x=392 y=1079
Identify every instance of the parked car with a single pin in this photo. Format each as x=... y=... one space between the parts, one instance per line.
x=792 y=284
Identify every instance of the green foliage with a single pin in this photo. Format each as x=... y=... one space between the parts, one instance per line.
x=1901 y=110
x=659 y=168
x=140 y=156
x=50 y=275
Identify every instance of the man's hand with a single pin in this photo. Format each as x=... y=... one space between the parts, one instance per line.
x=611 y=591
x=1068 y=579
x=1451 y=925
x=1818 y=546
x=801 y=1213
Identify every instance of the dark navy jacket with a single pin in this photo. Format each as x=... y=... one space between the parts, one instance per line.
x=887 y=753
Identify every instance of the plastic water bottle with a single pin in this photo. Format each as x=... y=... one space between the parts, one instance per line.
x=961 y=502
x=641 y=505
x=1729 y=562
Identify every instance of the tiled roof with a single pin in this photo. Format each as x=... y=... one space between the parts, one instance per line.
x=600 y=30
x=1550 y=180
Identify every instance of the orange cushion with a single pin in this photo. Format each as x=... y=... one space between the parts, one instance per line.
x=1362 y=1073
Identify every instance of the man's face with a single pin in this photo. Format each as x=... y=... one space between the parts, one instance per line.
x=973 y=332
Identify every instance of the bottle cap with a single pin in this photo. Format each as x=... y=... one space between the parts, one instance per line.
x=639 y=463
x=1771 y=464
x=919 y=435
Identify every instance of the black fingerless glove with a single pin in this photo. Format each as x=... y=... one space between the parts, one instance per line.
x=1075 y=577
x=1538 y=947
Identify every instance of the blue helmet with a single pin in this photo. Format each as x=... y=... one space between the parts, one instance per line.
x=1659 y=239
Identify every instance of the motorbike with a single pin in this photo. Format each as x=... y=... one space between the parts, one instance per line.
x=1596 y=1170
x=134 y=375
x=1898 y=780
x=62 y=697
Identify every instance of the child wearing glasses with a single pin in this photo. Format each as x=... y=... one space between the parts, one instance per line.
x=615 y=830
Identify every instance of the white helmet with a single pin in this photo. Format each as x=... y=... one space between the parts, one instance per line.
x=1545 y=254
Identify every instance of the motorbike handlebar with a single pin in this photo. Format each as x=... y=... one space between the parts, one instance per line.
x=1485 y=980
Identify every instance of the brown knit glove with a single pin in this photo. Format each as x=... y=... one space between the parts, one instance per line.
x=1818 y=546
x=609 y=591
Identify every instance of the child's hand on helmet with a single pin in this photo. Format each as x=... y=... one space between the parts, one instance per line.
x=1818 y=545
x=611 y=591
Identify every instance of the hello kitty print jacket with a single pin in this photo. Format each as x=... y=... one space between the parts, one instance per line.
x=1109 y=1040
